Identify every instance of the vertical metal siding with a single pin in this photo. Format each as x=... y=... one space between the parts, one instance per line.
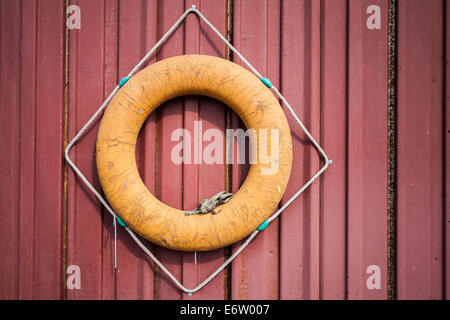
x=32 y=115
x=136 y=33
x=331 y=68
x=255 y=271
x=333 y=137
x=9 y=145
x=420 y=147
x=202 y=181
x=300 y=83
x=367 y=149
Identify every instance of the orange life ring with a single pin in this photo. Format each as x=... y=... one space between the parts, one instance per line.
x=214 y=77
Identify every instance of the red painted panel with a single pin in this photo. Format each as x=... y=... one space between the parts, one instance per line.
x=32 y=140
x=28 y=147
x=238 y=171
x=257 y=37
x=9 y=147
x=49 y=142
x=170 y=175
x=300 y=84
x=84 y=216
x=330 y=67
x=202 y=181
x=367 y=150
x=333 y=136
x=420 y=150
x=149 y=38
x=110 y=80
x=137 y=25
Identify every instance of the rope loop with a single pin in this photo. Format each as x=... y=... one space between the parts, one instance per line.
x=209 y=205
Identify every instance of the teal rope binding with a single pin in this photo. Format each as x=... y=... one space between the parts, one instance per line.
x=120 y=221
x=263 y=225
x=266 y=82
x=123 y=81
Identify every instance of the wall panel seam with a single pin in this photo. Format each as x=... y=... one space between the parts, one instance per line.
x=347 y=76
x=65 y=166
x=444 y=148
x=392 y=150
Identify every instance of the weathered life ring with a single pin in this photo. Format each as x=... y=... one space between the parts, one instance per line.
x=214 y=77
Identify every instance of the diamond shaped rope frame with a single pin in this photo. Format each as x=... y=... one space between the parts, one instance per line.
x=116 y=220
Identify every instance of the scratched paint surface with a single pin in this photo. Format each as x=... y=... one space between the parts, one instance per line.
x=328 y=57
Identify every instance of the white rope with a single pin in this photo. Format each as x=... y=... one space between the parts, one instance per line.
x=115 y=216
x=115 y=242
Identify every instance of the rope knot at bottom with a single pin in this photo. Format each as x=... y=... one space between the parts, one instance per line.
x=208 y=205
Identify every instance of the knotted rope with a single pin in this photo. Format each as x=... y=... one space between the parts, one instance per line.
x=208 y=205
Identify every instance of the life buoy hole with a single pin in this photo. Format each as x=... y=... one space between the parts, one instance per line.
x=207 y=144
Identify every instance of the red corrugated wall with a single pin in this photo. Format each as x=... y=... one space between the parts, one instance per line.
x=383 y=202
